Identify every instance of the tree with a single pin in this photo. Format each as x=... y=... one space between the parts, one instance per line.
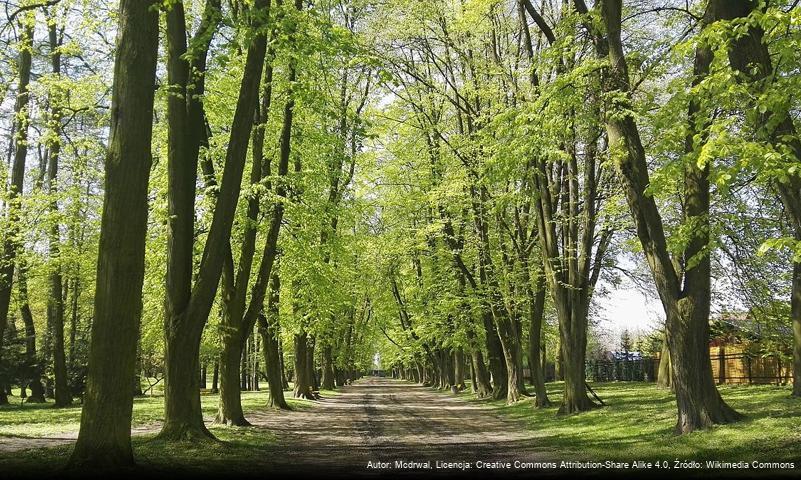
x=104 y=438
x=685 y=295
x=14 y=190
x=189 y=302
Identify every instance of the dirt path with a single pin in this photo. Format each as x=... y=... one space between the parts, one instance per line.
x=376 y=420
x=385 y=420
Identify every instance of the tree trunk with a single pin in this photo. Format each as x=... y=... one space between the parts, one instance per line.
x=229 y=411
x=104 y=439
x=284 y=379
x=188 y=303
x=303 y=382
x=268 y=329
x=699 y=402
x=35 y=381
x=664 y=378
x=183 y=417
x=328 y=369
x=55 y=301
x=686 y=307
x=215 y=378
x=536 y=307
x=242 y=369
x=458 y=369
x=20 y=147
x=573 y=347
x=481 y=379
x=255 y=351
x=312 y=371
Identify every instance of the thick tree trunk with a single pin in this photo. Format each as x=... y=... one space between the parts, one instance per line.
x=303 y=382
x=35 y=381
x=458 y=369
x=481 y=378
x=183 y=417
x=229 y=411
x=699 y=402
x=104 y=439
x=20 y=147
x=327 y=382
x=686 y=306
x=272 y=364
x=573 y=347
x=536 y=305
x=188 y=303
x=664 y=378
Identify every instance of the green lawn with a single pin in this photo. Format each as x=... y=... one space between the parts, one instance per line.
x=638 y=423
x=41 y=420
x=233 y=454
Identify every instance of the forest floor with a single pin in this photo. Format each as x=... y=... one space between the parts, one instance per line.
x=384 y=420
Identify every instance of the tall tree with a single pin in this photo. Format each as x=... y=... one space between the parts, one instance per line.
x=189 y=302
x=20 y=123
x=685 y=295
x=241 y=324
x=55 y=301
x=749 y=56
x=104 y=439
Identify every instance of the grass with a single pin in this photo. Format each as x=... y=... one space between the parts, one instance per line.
x=638 y=424
x=43 y=420
x=234 y=453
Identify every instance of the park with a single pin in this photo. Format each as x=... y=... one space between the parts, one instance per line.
x=394 y=237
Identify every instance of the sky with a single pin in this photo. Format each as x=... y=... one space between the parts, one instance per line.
x=627 y=308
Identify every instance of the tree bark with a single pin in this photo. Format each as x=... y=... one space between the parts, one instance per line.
x=481 y=376
x=536 y=307
x=55 y=300
x=303 y=382
x=268 y=329
x=20 y=147
x=35 y=380
x=104 y=439
x=664 y=378
x=686 y=306
x=327 y=382
x=188 y=303
x=458 y=369
x=215 y=378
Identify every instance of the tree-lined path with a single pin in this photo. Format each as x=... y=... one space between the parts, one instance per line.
x=211 y=210
x=373 y=420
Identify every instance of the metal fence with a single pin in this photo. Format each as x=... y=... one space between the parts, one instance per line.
x=621 y=370
x=732 y=368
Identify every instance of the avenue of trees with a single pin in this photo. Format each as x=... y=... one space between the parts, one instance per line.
x=277 y=190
